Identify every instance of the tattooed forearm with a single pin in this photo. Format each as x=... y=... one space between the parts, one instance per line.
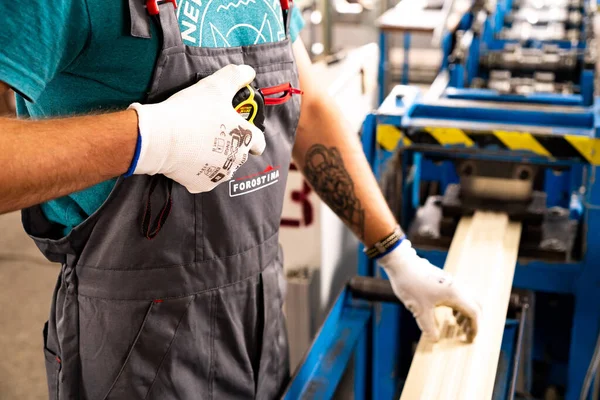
x=327 y=174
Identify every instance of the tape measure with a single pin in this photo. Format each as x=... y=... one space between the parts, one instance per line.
x=250 y=104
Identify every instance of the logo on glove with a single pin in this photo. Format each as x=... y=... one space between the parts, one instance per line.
x=239 y=137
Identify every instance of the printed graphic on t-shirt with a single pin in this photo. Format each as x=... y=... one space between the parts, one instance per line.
x=229 y=23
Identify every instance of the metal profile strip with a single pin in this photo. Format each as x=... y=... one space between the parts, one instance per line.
x=483 y=257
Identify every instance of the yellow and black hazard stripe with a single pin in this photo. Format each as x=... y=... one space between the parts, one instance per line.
x=564 y=147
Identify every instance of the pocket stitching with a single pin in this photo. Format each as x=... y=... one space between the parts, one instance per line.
x=130 y=352
x=52 y=360
x=136 y=340
x=187 y=307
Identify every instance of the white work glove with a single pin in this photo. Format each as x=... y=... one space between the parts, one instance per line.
x=421 y=287
x=195 y=137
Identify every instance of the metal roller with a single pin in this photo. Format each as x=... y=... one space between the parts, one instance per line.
x=513 y=57
x=372 y=289
x=524 y=30
x=541 y=82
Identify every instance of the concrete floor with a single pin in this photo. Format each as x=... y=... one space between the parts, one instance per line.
x=26 y=283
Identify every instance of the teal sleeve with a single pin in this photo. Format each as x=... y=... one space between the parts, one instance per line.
x=296 y=24
x=39 y=39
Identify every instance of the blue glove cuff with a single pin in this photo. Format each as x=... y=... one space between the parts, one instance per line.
x=136 y=156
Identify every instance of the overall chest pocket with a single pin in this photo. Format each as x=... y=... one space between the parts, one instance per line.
x=240 y=214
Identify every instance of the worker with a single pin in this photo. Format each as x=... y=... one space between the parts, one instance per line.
x=162 y=203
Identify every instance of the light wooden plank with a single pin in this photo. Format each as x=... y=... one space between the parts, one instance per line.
x=482 y=257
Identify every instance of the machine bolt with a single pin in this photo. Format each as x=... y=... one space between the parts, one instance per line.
x=552 y=244
x=558 y=212
x=427 y=231
x=467 y=170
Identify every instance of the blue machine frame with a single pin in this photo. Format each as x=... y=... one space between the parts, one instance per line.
x=383 y=133
x=558 y=133
x=542 y=118
x=463 y=74
x=346 y=333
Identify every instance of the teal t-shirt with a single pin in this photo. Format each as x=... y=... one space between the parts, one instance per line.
x=75 y=56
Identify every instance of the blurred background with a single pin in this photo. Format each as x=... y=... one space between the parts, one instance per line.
x=426 y=56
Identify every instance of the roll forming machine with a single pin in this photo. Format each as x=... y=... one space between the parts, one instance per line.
x=511 y=124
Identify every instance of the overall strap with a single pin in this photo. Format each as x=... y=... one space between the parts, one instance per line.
x=169 y=26
x=140 y=19
x=141 y=11
x=286 y=8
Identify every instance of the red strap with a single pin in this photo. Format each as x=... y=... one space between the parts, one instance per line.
x=152 y=5
x=273 y=101
x=285 y=89
x=285 y=4
x=268 y=91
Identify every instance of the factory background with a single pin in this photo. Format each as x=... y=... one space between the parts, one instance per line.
x=462 y=107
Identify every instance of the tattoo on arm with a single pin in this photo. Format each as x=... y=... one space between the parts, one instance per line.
x=327 y=174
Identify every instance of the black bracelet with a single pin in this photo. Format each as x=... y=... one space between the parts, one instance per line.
x=386 y=245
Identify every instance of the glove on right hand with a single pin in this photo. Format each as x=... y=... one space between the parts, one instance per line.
x=422 y=287
x=195 y=137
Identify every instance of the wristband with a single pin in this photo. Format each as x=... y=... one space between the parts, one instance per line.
x=385 y=245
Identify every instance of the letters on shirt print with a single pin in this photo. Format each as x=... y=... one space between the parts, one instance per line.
x=213 y=23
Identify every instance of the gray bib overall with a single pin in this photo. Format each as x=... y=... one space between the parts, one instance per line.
x=195 y=311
